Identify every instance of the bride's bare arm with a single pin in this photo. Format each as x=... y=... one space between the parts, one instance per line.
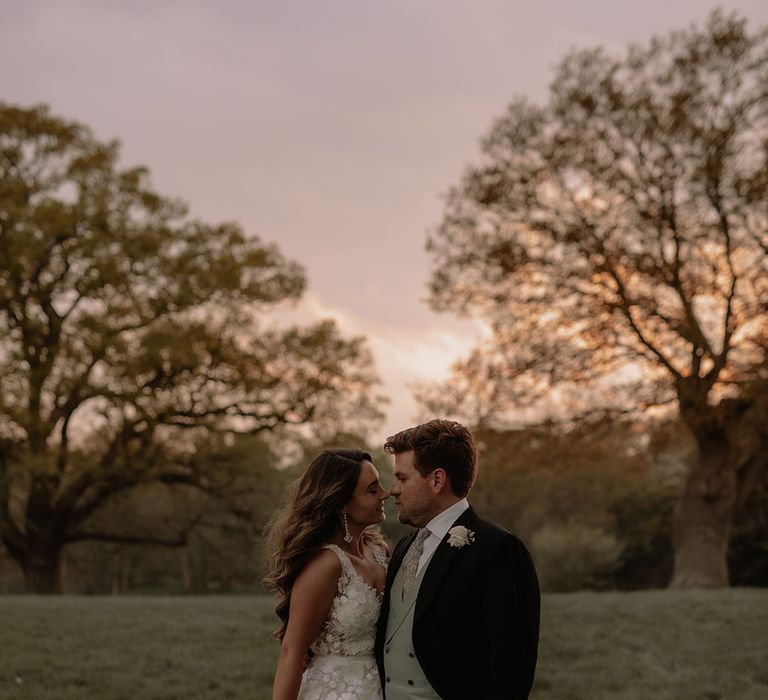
x=311 y=599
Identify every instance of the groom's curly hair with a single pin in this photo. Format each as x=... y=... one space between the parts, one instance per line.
x=442 y=444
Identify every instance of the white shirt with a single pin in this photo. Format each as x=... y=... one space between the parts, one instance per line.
x=438 y=528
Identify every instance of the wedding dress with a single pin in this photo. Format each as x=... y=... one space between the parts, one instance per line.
x=343 y=666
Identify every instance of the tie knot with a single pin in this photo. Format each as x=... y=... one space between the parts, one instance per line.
x=423 y=534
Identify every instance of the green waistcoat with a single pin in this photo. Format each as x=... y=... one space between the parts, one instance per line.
x=405 y=679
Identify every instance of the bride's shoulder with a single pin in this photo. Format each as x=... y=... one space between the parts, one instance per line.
x=323 y=567
x=374 y=536
x=315 y=588
x=378 y=544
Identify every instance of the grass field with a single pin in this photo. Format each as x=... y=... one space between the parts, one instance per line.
x=660 y=645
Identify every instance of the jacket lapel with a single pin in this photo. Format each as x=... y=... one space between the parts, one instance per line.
x=439 y=564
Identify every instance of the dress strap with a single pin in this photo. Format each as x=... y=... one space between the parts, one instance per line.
x=379 y=554
x=346 y=564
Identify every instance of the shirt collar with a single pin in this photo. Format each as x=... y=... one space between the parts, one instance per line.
x=442 y=522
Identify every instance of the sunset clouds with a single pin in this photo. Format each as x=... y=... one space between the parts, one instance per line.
x=329 y=128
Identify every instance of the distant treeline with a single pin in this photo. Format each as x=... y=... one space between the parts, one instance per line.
x=594 y=504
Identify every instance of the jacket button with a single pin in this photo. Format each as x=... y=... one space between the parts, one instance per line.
x=411 y=654
x=410 y=682
x=386 y=650
x=387 y=679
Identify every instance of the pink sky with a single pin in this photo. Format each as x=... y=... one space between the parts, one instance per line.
x=330 y=127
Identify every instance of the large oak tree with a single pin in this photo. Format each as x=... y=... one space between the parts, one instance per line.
x=126 y=329
x=616 y=237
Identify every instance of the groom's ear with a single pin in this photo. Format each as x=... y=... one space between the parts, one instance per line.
x=438 y=480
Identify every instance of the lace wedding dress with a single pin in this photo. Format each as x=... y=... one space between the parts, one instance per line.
x=343 y=666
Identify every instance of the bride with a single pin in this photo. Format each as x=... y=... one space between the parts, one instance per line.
x=328 y=567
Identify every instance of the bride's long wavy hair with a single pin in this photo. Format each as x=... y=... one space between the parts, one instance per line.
x=309 y=519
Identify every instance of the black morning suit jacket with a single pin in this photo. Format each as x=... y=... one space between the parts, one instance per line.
x=476 y=622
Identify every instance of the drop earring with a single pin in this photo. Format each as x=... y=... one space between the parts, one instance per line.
x=347 y=536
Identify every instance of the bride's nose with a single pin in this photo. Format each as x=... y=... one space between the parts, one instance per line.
x=384 y=494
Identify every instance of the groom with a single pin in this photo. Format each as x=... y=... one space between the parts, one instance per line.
x=460 y=615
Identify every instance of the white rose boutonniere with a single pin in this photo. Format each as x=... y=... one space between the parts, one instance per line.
x=459 y=536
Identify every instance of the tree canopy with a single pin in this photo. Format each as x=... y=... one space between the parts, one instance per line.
x=125 y=324
x=616 y=238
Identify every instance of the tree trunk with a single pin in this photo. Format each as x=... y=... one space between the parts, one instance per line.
x=126 y=574
x=704 y=517
x=186 y=576
x=42 y=571
x=64 y=582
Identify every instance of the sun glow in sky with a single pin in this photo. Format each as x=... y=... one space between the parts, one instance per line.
x=330 y=128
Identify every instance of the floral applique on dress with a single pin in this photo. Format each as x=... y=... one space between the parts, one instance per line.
x=343 y=666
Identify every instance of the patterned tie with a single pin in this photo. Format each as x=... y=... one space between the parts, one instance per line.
x=411 y=559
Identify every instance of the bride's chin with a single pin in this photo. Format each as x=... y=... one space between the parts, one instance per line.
x=379 y=518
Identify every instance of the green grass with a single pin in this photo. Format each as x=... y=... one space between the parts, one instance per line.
x=661 y=645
